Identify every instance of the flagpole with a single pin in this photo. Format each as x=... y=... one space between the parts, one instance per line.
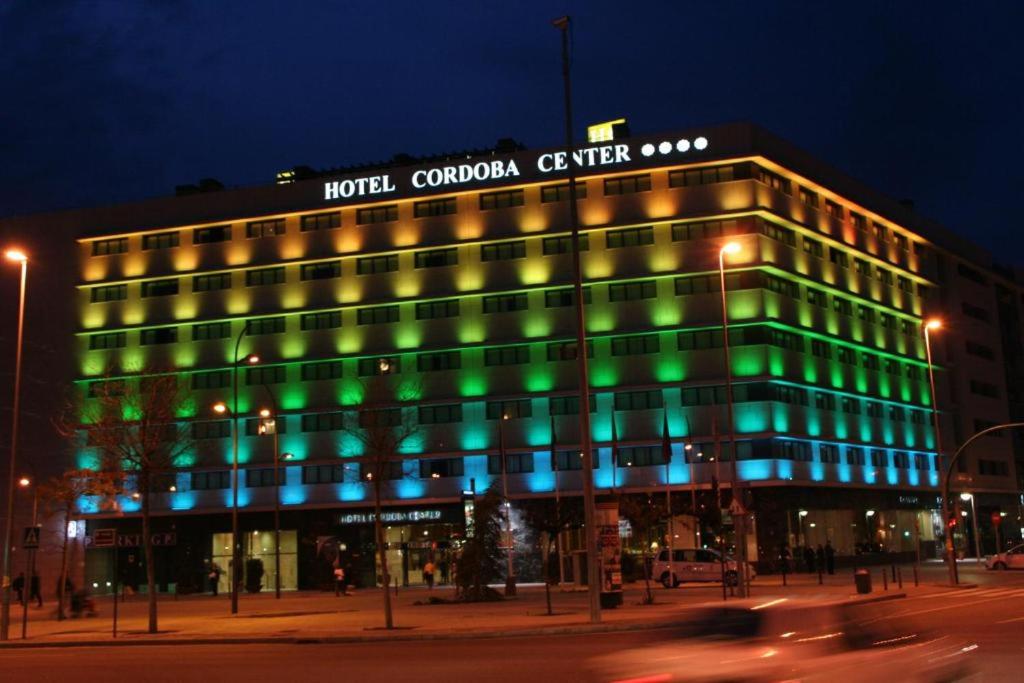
x=666 y=448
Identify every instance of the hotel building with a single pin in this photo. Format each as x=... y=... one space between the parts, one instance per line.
x=448 y=281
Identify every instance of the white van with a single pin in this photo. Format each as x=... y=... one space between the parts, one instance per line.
x=701 y=564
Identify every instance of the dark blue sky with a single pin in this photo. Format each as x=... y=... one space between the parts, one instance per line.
x=120 y=100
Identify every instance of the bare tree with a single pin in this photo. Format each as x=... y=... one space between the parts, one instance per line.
x=548 y=517
x=385 y=425
x=644 y=515
x=134 y=425
x=60 y=495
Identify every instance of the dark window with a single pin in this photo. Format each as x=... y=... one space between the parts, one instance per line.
x=566 y=350
x=323 y=422
x=569 y=405
x=556 y=298
x=378 y=315
x=862 y=266
x=701 y=176
x=809 y=197
x=980 y=350
x=630 y=237
x=215 y=379
x=159 y=288
x=993 y=468
x=628 y=184
x=220 y=233
x=321 y=271
x=320 y=221
x=441 y=360
x=270 y=228
x=273 y=374
x=640 y=456
x=632 y=291
x=817 y=298
x=375 y=264
x=501 y=200
x=160 y=240
x=505 y=303
x=638 y=400
x=640 y=344
x=777 y=233
x=117 y=245
x=901 y=459
x=859 y=222
x=813 y=247
x=515 y=463
x=838 y=257
x=569 y=460
x=326 y=320
x=443 y=414
x=108 y=293
x=209 y=481
x=971 y=274
x=264 y=276
x=781 y=286
x=976 y=312
x=511 y=410
x=206 y=331
x=854 y=455
x=437 y=468
x=980 y=388
x=842 y=306
x=563 y=244
x=107 y=340
x=507 y=355
x=774 y=180
x=327 y=474
x=261 y=477
x=434 y=207
x=503 y=251
x=330 y=369
x=369 y=367
x=377 y=214
x=833 y=209
x=879 y=458
x=258 y=326
x=437 y=258
x=560 y=193
x=159 y=335
x=430 y=310
x=210 y=283
x=213 y=429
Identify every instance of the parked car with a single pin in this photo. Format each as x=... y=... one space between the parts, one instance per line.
x=695 y=564
x=791 y=640
x=1011 y=559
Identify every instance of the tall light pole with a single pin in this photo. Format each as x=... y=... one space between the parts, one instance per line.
x=739 y=520
x=30 y=556
x=510 y=572
x=17 y=256
x=589 y=513
x=931 y=325
x=268 y=425
x=974 y=522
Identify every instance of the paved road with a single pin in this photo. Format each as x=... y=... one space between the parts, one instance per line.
x=993 y=615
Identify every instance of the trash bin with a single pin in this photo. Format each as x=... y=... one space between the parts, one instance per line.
x=611 y=599
x=862 y=579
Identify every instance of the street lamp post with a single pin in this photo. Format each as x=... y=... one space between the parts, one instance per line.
x=510 y=576
x=30 y=556
x=739 y=520
x=17 y=256
x=974 y=523
x=933 y=324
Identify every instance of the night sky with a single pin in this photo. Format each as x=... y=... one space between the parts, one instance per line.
x=120 y=100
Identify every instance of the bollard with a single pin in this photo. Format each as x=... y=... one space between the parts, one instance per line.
x=885 y=580
x=899 y=577
x=783 y=576
x=396 y=586
x=893 y=567
x=915 y=576
x=820 y=580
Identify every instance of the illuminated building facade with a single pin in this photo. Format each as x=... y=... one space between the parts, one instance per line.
x=453 y=279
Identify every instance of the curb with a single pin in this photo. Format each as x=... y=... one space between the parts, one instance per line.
x=337 y=640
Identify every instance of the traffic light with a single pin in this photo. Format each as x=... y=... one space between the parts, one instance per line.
x=954 y=516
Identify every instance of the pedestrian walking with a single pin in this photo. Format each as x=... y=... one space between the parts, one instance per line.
x=428 y=574
x=809 y=558
x=339 y=580
x=34 y=592
x=444 y=571
x=19 y=587
x=819 y=556
x=784 y=556
x=830 y=557
x=214 y=577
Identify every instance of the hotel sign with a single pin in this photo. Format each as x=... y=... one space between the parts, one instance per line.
x=524 y=167
x=391 y=516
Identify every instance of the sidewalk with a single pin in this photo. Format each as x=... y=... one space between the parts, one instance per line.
x=322 y=617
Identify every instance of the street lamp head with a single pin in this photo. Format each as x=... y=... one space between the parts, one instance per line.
x=870 y=513
x=264 y=412
x=731 y=248
x=173 y=488
x=933 y=324
x=688 y=447
x=803 y=513
x=220 y=407
x=24 y=482
x=287 y=456
x=252 y=359
x=16 y=255
x=966 y=496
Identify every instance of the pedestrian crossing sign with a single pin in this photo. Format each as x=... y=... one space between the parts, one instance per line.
x=30 y=541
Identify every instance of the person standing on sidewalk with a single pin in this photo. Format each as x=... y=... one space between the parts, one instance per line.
x=339 y=580
x=19 y=587
x=428 y=574
x=214 y=577
x=784 y=558
x=809 y=558
x=830 y=557
x=34 y=592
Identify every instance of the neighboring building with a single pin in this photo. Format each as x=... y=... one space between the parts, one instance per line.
x=452 y=279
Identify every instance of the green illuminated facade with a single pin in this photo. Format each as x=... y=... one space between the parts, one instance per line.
x=462 y=293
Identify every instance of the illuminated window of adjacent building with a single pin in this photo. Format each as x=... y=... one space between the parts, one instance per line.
x=440 y=414
x=507 y=355
x=434 y=207
x=258 y=326
x=324 y=320
x=505 y=303
x=566 y=296
x=628 y=184
x=214 y=379
x=218 y=233
x=212 y=282
x=108 y=293
x=639 y=400
x=160 y=240
x=515 y=463
x=253 y=426
x=437 y=258
x=430 y=310
x=371 y=367
x=701 y=176
x=438 y=361
x=377 y=315
x=377 y=214
x=268 y=228
x=207 y=331
x=501 y=200
x=159 y=335
x=264 y=276
x=330 y=369
x=633 y=291
x=108 y=340
x=560 y=193
x=109 y=247
x=636 y=345
x=159 y=288
x=563 y=244
x=503 y=251
x=512 y=409
x=327 y=270
x=629 y=237
x=773 y=180
x=320 y=221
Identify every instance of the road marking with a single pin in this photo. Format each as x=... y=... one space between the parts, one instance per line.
x=1010 y=621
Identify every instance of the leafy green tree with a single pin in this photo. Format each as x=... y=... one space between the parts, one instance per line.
x=481 y=560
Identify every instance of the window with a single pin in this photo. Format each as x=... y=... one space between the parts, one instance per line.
x=107 y=340
x=326 y=320
x=630 y=237
x=817 y=298
x=879 y=458
x=369 y=367
x=515 y=463
x=859 y=222
x=378 y=315
x=330 y=369
x=210 y=283
x=701 y=176
x=261 y=477
x=854 y=455
x=219 y=233
x=441 y=467
x=773 y=180
x=322 y=271
x=560 y=193
x=437 y=258
x=633 y=291
x=108 y=293
x=370 y=265
x=980 y=350
x=901 y=459
x=904 y=284
x=434 y=207
x=684 y=232
x=258 y=326
x=501 y=200
x=638 y=400
x=842 y=306
x=971 y=274
x=887 y=321
x=563 y=245
x=777 y=233
x=897 y=414
x=159 y=335
x=443 y=414
x=569 y=405
x=570 y=460
x=116 y=245
x=821 y=349
x=980 y=388
x=823 y=401
x=809 y=197
x=828 y=453
x=874 y=408
x=976 y=312
x=901 y=241
x=264 y=276
x=115 y=387
x=160 y=288
x=507 y=355
x=272 y=374
x=566 y=350
x=377 y=214
x=511 y=410
x=211 y=429
x=866 y=313
x=269 y=228
x=628 y=184
x=503 y=251
x=862 y=266
x=785 y=340
x=381 y=417
x=846 y=355
x=993 y=468
x=207 y=331
x=505 y=303
x=834 y=210
x=215 y=379
x=630 y=346
x=884 y=275
x=640 y=456
x=430 y=310
x=209 y=481
x=160 y=240
x=320 y=221
x=556 y=298
x=813 y=247
x=326 y=474
x=869 y=361
x=323 y=422
x=838 y=257
x=850 y=405
x=441 y=360
x=780 y=286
